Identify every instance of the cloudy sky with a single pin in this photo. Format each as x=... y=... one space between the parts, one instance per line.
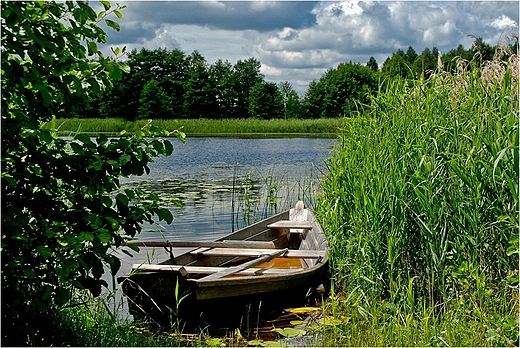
x=297 y=41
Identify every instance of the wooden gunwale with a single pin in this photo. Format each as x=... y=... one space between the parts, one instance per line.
x=291 y=253
x=211 y=270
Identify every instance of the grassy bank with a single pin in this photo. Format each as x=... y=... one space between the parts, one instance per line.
x=421 y=211
x=201 y=127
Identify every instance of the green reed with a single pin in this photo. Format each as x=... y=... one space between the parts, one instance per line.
x=256 y=196
x=421 y=202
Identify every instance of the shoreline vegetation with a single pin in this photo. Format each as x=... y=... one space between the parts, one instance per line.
x=326 y=127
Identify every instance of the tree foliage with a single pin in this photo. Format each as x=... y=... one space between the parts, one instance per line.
x=189 y=87
x=63 y=208
x=265 y=101
x=340 y=90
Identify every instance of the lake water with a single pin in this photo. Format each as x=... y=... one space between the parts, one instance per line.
x=209 y=173
x=227 y=183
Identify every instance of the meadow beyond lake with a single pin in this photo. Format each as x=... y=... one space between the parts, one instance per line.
x=326 y=127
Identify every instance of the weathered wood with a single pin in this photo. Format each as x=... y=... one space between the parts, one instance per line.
x=242 y=244
x=298 y=225
x=208 y=270
x=310 y=254
x=245 y=265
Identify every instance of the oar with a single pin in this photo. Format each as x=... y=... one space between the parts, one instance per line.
x=232 y=270
x=243 y=244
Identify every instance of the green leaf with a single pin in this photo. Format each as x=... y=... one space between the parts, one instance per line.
x=165 y=215
x=107 y=201
x=97 y=165
x=168 y=147
x=289 y=332
x=178 y=202
x=112 y=24
x=157 y=145
x=77 y=148
x=105 y=236
x=62 y=296
x=106 y=4
x=124 y=67
x=116 y=73
x=85 y=139
x=29 y=273
x=112 y=222
x=95 y=221
x=44 y=251
x=92 y=47
x=122 y=199
x=513 y=281
x=86 y=236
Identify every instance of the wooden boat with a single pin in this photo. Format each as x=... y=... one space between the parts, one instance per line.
x=279 y=261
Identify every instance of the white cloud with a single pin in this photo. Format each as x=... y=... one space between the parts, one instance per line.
x=503 y=22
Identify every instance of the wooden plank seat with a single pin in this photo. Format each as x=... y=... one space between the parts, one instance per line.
x=235 y=269
x=304 y=254
x=290 y=224
x=185 y=270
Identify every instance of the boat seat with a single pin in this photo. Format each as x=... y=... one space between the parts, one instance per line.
x=297 y=229
x=290 y=224
x=185 y=270
x=304 y=254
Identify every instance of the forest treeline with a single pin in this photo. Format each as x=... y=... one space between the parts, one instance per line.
x=164 y=84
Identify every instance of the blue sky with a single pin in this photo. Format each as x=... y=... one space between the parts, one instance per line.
x=297 y=41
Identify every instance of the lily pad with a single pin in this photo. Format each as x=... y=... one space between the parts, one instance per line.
x=215 y=342
x=262 y=343
x=302 y=310
x=289 y=332
x=296 y=322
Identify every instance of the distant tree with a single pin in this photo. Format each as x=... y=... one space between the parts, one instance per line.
x=398 y=65
x=339 y=91
x=265 y=101
x=200 y=98
x=426 y=63
x=482 y=50
x=451 y=57
x=247 y=75
x=225 y=81
x=372 y=64
x=312 y=103
x=169 y=69
x=154 y=103
x=410 y=55
x=290 y=100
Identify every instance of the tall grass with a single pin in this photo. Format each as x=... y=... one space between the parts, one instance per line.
x=421 y=203
x=201 y=126
x=94 y=322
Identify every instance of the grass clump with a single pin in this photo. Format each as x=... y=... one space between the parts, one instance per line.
x=95 y=322
x=421 y=209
